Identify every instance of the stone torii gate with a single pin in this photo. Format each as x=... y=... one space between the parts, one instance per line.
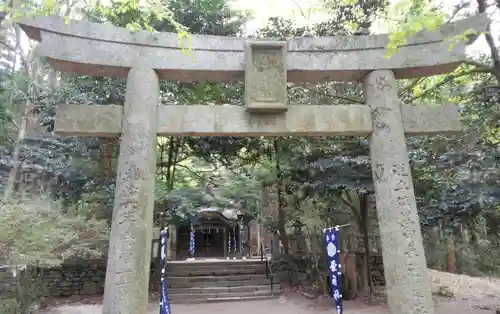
x=266 y=66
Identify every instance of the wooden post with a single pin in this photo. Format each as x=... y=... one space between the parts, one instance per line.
x=352 y=273
x=451 y=253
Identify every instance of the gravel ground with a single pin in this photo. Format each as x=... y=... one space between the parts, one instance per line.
x=470 y=296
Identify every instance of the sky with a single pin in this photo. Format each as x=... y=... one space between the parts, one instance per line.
x=263 y=9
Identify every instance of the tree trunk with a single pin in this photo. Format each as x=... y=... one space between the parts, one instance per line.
x=25 y=111
x=281 y=200
x=106 y=150
x=172 y=153
x=494 y=51
x=16 y=154
x=365 y=226
x=451 y=254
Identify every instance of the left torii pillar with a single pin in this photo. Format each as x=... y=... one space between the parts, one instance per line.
x=128 y=269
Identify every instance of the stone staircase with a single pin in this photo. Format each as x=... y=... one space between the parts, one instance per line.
x=219 y=280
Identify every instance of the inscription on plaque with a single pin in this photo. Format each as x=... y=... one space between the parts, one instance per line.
x=265 y=76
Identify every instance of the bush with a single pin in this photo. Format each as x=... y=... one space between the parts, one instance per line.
x=38 y=232
x=25 y=297
x=10 y=305
x=478 y=258
x=444 y=292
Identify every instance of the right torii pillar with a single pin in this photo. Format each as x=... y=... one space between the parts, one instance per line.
x=400 y=235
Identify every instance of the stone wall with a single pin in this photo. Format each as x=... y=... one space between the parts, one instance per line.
x=72 y=278
x=87 y=278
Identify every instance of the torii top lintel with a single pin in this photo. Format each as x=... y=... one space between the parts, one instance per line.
x=106 y=50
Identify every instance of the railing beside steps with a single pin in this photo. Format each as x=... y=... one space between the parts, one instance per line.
x=263 y=256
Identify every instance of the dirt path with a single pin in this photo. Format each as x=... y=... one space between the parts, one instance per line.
x=287 y=304
x=291 y=304
x=470 y=296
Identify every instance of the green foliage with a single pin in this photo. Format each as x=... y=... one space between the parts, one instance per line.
x=184 y=202
x=26 y=296
x=212 y=17
x=10 y=305
x=413 y=17
x=37 y=231
x=429 y=22
x=350 y=16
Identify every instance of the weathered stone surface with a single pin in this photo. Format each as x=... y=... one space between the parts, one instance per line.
x=424 y=119
x=406 y=274
x=265 y=76
x=81 y=278
x=81 y=120
x=90 y=288
x=128 y=268
x=106 y=50
x=172 y=243
x=200 y=120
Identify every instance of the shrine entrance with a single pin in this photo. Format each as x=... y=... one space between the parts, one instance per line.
x=216 y=236
x=210 y=242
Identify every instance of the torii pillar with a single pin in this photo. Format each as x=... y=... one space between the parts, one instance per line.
x=127 y=273
x=405 y=267
x=266 y=66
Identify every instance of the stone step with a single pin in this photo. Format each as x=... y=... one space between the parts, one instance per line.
x=214 y=272
x=217 y=290
x=183 y=282
x=198 y=279
x=218 y=263
x=189 y=267
x=224 y=296
x=230 y=299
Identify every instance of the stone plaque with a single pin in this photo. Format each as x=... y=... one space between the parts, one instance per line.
x=265 y=76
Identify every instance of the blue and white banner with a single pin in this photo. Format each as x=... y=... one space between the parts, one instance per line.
x=191 y=242
x=332 y=252
x=164 y=302
x=242 y=243
x=235 y=243
x=229 y=244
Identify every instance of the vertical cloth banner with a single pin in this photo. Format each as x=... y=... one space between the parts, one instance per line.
x=235 y=243
x=228 y=244
x=191 y=242
x=164 y=302
x=242 y=242
x=332 y=252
